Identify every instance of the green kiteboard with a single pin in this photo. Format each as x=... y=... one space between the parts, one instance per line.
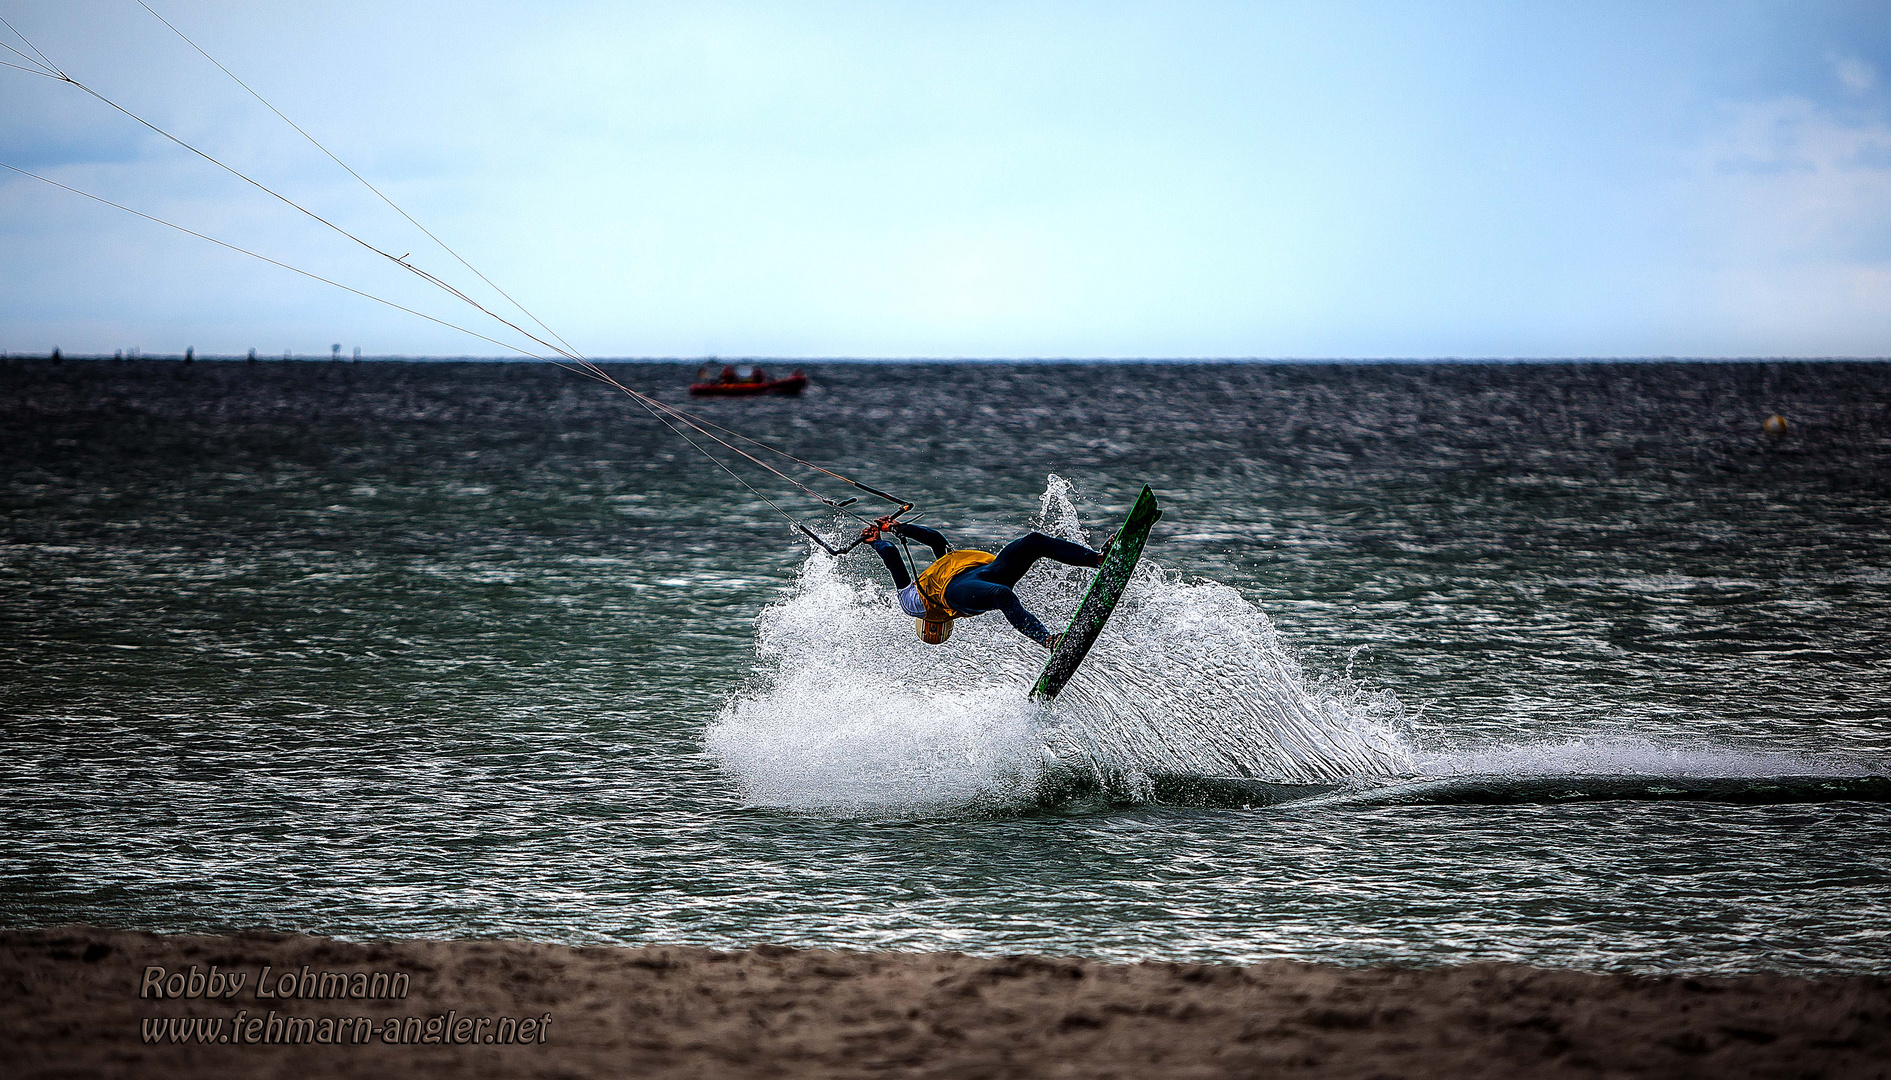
x=1100 y=599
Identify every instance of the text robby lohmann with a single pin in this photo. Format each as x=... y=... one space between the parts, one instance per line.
x=217 y=983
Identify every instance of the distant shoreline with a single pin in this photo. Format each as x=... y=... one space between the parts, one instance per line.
x=489 y=1007
x=44 y=356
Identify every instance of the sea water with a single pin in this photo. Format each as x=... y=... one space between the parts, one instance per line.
x=444 y=649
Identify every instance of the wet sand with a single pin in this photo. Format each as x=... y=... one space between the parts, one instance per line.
x=72 y=1007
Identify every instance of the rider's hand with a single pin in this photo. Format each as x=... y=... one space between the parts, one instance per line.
x=870 y=533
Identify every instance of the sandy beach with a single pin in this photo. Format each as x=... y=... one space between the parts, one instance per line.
x=83 y=1001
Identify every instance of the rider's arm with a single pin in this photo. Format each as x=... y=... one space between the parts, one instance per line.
x=928 y=537
x=894 y=564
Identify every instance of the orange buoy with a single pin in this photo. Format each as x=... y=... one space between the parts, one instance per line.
x=1775 y=425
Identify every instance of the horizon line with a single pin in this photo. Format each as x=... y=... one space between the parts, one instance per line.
x=7 y=356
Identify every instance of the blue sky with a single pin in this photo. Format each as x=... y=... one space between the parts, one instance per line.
x=977 y=180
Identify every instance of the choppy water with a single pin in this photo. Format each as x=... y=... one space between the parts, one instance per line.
x=1568 y=664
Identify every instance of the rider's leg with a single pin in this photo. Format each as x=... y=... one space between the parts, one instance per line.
x=1018 y=556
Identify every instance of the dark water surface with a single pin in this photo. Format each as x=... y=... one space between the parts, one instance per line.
x=479 y=649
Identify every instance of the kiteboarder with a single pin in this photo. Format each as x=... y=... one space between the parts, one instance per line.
x=963 y=583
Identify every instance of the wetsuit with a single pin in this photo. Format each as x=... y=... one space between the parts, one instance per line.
x=987 y=587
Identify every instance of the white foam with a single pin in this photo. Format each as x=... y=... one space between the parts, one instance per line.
x=1630 y=756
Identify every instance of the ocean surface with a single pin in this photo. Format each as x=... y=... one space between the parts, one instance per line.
x=1562 y=663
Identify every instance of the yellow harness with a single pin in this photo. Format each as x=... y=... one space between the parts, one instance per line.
x=934 y=579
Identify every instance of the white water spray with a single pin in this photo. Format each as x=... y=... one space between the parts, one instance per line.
x=851 y=711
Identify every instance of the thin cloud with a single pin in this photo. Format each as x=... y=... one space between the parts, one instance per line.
x=1857 y=75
